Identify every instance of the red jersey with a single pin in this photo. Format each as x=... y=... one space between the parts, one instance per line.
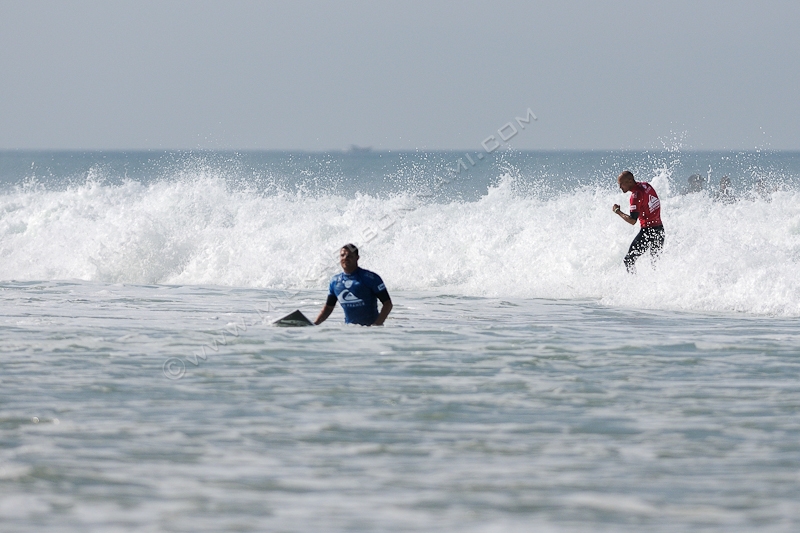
x=645 y=202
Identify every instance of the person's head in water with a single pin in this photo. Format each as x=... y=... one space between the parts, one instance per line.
x=696 y=183
x=348 y=258
x=626 y=181
x=724 y=184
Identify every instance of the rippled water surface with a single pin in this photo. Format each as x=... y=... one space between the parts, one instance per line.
x=463 y=414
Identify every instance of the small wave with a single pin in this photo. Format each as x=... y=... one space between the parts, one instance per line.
x=742 y=256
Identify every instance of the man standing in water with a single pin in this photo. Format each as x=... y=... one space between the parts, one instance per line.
x=646 y=208
x=358 y=290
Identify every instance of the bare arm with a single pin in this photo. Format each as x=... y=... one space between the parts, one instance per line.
x=324 y=314
x=627 y=218
x=386 y=308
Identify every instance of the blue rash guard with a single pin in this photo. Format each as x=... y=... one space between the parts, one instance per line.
x=358 y=293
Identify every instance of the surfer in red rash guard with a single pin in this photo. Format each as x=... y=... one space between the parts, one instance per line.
x=646 y=208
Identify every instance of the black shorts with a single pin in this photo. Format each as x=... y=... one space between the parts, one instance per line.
x=651 y=238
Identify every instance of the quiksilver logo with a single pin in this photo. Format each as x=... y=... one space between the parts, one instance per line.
x=348 y=297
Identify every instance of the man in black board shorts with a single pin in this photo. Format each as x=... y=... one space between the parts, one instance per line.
x=646 y=208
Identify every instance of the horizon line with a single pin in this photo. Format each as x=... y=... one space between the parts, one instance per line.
x=363 y=151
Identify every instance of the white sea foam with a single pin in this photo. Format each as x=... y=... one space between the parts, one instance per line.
x=742 y=257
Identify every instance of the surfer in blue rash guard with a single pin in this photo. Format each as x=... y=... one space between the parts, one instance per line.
x=358 y=290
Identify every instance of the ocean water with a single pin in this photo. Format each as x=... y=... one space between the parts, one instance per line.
x=523 y=382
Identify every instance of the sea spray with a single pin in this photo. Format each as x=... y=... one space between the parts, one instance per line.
x=743 y=256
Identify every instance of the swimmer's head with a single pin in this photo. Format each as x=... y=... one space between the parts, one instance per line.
x=348 y=258
x=626 y=181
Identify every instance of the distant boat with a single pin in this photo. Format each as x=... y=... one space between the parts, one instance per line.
x=359 y=149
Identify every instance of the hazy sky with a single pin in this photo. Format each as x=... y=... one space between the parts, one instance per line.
x=398 y=75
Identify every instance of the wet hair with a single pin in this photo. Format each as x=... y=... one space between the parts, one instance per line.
x=627 y=174
x=350 y=247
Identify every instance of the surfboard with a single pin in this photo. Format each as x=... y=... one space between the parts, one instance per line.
x=293 y=320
